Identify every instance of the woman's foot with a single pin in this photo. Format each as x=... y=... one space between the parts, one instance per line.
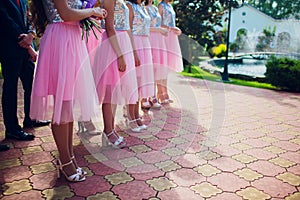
x=154 y=103
x=133 y=125
x=69 y=171
x=79 y=169
x=145 y=105
x=87 y=127
x=141 y=124
x=113 y=139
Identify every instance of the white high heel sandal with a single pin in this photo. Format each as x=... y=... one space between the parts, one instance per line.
x=134 y=127
x=119 y=143
x=72 y=178
x=143 y=126
x=87 y=127
x=79 y=169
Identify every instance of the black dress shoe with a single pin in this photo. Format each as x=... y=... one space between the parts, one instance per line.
x=19 y=135
x=4 y=147
x=33 y=124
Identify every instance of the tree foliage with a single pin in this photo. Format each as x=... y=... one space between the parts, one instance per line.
x=198 y=19
x=278 y=9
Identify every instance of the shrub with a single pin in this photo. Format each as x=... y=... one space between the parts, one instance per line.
x=218 y=51
x=283 y=73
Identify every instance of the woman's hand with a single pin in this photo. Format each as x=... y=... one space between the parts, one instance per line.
x=100 y=13
x=176 y=30
x=121 y=64
x=136 y=59
x=164 y=31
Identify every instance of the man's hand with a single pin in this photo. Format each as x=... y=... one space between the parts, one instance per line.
x=25 y=40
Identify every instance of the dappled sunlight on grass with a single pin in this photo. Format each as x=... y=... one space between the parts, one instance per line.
x=197 y=72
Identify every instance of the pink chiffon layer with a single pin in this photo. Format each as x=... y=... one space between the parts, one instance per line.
x=92 y=45
x=63 y=87
x=144 y=72
x=113 y=86
x=159 y=56
x=174 y=52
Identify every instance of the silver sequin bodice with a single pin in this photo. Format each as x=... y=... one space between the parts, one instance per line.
x=121 y=16
x=169 y=15
x=141 y=20
x=154 y=15
x=51 y=10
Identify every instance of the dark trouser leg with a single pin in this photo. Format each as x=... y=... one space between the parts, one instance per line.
x=26 y=76
x=10 y=70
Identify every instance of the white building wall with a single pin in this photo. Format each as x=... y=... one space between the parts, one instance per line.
x=254 y=21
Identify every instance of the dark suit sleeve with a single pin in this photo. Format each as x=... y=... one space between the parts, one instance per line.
x=7 y=23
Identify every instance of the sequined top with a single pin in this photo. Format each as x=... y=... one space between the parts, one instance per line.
x=141 y=20
x=154 y=15
x=51 y=11
x=121 y=16
x=169 y=15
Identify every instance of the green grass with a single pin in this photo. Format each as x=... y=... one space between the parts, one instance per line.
x=200 y=73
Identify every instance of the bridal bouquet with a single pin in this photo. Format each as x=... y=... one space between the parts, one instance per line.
x=89 y=24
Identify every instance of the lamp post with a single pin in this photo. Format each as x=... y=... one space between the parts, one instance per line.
x=225 y=71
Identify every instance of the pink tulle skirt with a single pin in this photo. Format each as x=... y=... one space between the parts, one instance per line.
x=144 y=72
x=92 y=45
x=159 y=55
x=63 y=87
x=174 y=52
x=112 y=85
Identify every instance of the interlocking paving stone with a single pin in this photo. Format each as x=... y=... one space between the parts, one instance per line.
x=294 y=196
x=15 y=173
x=254 y=154
x=206 y=189
x=104 y=195
x=179 y=193
x=31 y=194
x=161 y=184
x=190 y=160
x=9 y=163
x=34 y=149
x=275 y=150
x=290 y=178
x=41 y=168
x=226 y=196
x=134 y=190
x=130 y=162
x=252 y=193
x=167 y=166
x=248 y=174
x=274 y=187
x=140 y=148
x=263 y=167
x=185 y=177
x=228 y=182
x=92 y=185
x=60 y=192
x=118 y=178
x=227 y=164
x=207 y=170
x=282 y=162
x=16 y=187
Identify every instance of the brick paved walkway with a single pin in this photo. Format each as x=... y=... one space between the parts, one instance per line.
x=215 y=141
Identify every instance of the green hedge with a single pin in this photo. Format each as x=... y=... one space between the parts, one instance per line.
x=284 y=73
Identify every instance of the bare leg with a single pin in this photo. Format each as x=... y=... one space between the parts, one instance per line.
x=108 y=117
x=62 y=140
x=109 y=111
x=71 y=143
